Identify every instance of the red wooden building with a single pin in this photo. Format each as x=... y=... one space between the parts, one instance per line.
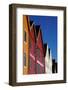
x=40 y=65
x=32 y=68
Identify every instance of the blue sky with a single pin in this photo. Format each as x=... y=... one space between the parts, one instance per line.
x=49 y=31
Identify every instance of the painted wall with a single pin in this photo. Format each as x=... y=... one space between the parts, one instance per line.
x=50 y=60
x=46 y=61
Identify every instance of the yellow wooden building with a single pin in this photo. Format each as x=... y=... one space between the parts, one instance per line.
x=25 y=44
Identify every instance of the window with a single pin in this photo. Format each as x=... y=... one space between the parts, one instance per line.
x=43 y=59
x=24 y=60
x=30 y=62
x=24 y=36
x=29 y=44
x=43 y=70
x=38 y=68
x=38 y=52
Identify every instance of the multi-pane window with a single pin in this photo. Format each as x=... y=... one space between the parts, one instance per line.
x=29 y=44
x=43 y=59
x=38 y=53
x=30 y=63
x=24 y=59
x=38 y=68
x=24 y=36
x=43 y=70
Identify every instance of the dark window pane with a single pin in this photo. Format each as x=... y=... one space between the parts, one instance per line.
x=43 y=70
x=38 y=52
x=38 y=68
x=29 y=44
x=24 y=61
x=30 y=63
x=24 y=36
